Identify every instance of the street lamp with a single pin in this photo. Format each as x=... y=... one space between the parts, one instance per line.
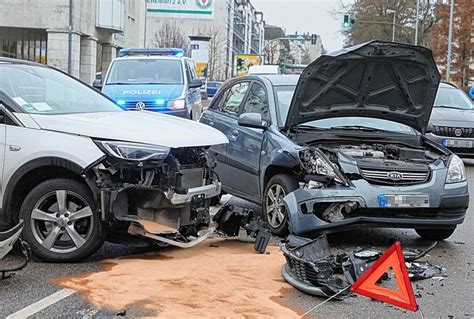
x=390 y=11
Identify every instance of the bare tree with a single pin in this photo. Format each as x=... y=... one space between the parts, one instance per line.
x=217 y=50
x=272 y=52
x=169 y=35
x=372 y=21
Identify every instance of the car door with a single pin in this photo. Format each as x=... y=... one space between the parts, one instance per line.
x=223 y=116
x=193 y=95
x=244 y=150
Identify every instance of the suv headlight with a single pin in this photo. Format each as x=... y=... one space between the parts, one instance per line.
x=133 y=151
x=456 y=170
x=178 y=104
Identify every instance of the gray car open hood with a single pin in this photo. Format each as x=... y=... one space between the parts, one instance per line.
x=384 y=80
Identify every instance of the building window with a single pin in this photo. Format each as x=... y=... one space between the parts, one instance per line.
x=24 y=44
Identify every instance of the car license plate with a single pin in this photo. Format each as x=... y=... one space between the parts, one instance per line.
x=404 y=201
x=458 y=143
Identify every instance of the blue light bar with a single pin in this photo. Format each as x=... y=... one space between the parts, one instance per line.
x=150 y=52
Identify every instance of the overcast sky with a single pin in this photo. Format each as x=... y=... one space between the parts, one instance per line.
x=313 y=16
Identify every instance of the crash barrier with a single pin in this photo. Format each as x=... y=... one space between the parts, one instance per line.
x=310 y=267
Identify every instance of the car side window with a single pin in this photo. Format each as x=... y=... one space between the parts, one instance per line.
x=232 y=99
x=188 y=72
x=257 y=102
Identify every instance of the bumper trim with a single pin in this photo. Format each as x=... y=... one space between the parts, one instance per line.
x=208 y=191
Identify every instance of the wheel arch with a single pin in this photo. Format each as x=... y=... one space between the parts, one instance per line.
x=28 y=176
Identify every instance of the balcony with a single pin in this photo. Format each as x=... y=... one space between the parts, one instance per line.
x=239 y=31
x=110 y=15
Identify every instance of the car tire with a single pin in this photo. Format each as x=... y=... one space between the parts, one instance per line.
x=435 y=234
x=66 y=232
x=276 y=216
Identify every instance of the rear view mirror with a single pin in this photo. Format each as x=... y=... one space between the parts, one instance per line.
x=196 y=83
x=253 y=120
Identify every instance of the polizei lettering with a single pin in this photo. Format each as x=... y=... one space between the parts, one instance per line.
x=140 y=92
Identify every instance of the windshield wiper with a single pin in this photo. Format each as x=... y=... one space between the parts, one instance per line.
x=355 y=127
x=119 y=83
x=311 y=128
x=450 y=107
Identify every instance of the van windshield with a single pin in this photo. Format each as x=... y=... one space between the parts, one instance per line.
x=145 y=71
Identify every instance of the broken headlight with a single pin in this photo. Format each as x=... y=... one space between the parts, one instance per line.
x=133 y=151
x=456 y=170
x=314 y=162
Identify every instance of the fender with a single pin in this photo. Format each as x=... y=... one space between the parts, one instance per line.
x=7 y=215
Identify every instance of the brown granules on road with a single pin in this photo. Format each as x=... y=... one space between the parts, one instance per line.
x=218 y=278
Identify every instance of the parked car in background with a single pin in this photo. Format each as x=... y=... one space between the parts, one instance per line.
x=344 y=145
x=452 y=120
x=212 y=87
x=77 y=166
x=157 y=80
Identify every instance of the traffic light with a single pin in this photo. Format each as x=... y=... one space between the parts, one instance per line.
x=347 y=21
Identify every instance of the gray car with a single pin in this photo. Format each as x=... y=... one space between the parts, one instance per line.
x=344 y=145
x=452 y=120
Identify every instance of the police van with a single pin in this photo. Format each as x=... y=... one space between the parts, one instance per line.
x=158 y=80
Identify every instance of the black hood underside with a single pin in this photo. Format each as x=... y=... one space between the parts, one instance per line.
x=384 y=80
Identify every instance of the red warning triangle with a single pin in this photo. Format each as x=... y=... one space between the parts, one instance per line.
x=367 y=286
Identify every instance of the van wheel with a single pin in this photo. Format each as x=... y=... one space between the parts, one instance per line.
x=61 y=221
x=275 y=214
x=435 y=234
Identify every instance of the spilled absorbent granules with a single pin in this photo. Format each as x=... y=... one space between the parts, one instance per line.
x=217 y=278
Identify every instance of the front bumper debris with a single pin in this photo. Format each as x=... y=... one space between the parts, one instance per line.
x=311 y=267
x=7 y=240
x=203 y=192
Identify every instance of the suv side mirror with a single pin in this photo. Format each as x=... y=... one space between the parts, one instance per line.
x=196 y=83
x=253 y=120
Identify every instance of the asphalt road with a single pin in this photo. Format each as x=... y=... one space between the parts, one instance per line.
x=451 y=297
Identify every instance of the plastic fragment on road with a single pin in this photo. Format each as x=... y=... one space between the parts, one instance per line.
x=367 y=285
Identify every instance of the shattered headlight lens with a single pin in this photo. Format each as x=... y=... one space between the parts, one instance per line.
x=315 y=163
x=456 y=170
x=134 y=151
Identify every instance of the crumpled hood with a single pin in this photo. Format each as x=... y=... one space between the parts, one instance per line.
x=384 y=80
x=142 y=92
x=134 y=126
x=452 y=117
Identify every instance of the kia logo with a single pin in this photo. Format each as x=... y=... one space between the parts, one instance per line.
x=140 y=106
x=395 y=176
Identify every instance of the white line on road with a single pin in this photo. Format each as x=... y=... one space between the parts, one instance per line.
x=42 y=304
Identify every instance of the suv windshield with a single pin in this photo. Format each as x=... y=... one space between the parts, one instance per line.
x=450 y=97
x=42 y=90
x=146 y=71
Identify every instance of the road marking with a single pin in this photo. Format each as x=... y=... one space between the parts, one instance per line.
x=42 y=304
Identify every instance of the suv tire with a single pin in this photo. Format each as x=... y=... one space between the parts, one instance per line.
x=61 y=221
x=435 y=234
x=276 y=216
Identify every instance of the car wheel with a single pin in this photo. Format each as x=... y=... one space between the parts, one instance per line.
x=61 y=221
x=275 y=214
x=435 y=234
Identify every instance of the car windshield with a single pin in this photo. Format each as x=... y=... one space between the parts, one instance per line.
x=146 y=71
x=283 y=96
x=360 y=123
x=451 y=97
x=42 y=90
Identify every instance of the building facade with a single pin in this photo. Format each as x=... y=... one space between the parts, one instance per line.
x=234 y=26
x=77 y=36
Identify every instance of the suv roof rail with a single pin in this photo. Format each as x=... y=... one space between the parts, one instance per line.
x=149 y=52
